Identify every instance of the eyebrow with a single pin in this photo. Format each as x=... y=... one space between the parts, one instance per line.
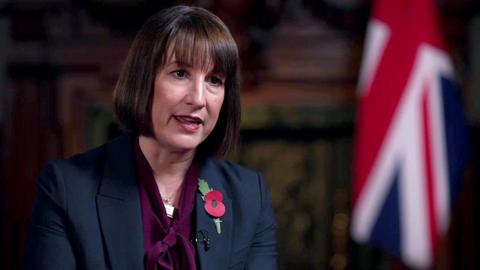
x=179 y=63
x=188 y=65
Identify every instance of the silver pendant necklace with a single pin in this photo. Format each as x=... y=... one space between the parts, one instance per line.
x=169 y=208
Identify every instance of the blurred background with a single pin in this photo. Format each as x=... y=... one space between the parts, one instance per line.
x=59 y=61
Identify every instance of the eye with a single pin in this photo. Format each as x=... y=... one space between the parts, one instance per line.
x=215 y=80
x=180 y=73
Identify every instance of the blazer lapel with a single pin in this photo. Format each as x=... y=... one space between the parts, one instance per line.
x=213 y=249
x=119 y=208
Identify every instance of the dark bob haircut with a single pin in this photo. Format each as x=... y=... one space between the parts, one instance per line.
x=197 y=37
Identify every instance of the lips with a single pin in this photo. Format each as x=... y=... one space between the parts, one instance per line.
x=189 y=124
x=186 y=119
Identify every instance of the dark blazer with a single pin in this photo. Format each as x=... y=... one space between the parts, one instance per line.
x=87 y=215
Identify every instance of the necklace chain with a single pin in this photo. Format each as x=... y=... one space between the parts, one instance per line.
x=169 y=207
x=168 y=201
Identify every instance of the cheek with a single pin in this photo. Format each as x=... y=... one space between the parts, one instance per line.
x=217 y=104
x=156 y=107
x=164 y=100
x=159 y=111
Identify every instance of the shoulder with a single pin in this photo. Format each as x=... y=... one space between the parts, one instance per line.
x=93 y=159
x=81 y=172
x=63 y=178
x=237 y=171
x=78 y=164
x=233 y=173
x=239 y=181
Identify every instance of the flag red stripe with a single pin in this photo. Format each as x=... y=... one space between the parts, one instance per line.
x=426 y=110
x=379 y=106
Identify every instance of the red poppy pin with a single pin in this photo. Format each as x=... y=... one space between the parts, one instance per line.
x=213 y=203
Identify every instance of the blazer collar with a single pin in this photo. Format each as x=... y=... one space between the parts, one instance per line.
x=211 y=246
x=119 y=209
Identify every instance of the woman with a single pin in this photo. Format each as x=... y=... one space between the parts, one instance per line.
x=155 y=198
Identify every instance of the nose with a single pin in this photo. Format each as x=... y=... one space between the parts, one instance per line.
x=196 y=95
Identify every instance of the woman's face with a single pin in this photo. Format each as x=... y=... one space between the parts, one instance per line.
x=186 y=105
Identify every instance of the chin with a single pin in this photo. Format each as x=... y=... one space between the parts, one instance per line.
x=185 y=145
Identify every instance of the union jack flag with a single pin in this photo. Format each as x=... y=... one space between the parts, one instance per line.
x=411 y=140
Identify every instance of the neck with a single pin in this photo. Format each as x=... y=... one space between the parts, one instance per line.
x=169 y=167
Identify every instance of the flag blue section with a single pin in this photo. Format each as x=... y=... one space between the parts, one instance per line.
x=456 y=133
x=386 y=232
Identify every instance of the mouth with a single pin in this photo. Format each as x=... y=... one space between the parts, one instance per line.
x=190 y=120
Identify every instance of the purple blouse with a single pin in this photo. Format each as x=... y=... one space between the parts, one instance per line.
x=166 y=241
